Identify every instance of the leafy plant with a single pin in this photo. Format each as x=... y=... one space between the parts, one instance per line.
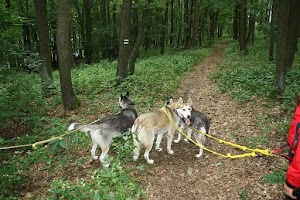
x=108 y=183
x=276 y=177
x=244 y=194
x=57 y=145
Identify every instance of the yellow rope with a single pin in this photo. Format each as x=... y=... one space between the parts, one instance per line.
x=34 y=145
x=252 y=153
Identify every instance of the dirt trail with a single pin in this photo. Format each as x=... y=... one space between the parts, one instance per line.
x=182 y=176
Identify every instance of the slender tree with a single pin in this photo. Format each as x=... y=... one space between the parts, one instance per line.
x=140 y=37
x=164 y=29
x=187 y=24
x=88 y=32
x=251 y=30
x=195 y=24
x=124 y=35
x=273 y=29
x=44 y=47
x=243 y=26
x=70 y=101
x=236 y=21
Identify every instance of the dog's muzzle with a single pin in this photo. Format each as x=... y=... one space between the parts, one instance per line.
x=187 y=120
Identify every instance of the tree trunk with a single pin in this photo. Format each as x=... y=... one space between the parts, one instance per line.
x=251 y=30
x=282 y=46
x=243 y=26
x=44 y=47
x=187 y=28
x=273 y=30
x=81 y=40
x=179 y=24
x=104 y=36
x=88 y=32
x=70 y=101
x=164 y=29
x=172 y=21
x=124 y=48
x=140 y=38
x=294 y=16
x=195 y=25
x=236 y=21
x=213 y=26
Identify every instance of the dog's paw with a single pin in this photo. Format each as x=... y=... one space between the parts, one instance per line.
x=176 y=141
x=198 y=155
x=170 y=151
x=106 y=165
x=135 y=158
x=150 y=161
x=186 y=140
x=95 y=157
x=158 y=149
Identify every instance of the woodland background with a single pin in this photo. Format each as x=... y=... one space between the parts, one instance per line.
x=68 y=60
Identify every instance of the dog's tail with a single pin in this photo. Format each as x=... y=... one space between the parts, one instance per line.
x=81 y=127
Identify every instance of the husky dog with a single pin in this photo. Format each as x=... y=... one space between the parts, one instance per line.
x=147 y=125
x=107 y=128
x=200 y=122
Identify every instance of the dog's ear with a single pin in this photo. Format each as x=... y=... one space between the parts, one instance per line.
x=190 y=102
x=180 y=100
x=170 y=101
x=127 y=94
x=120 y=97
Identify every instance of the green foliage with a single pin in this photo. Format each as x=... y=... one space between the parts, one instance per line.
x=111 y=183
x=20 y=96
x=156 y=80
x=246 y=76
x=253 y=75
x=244 y=194
x=57 y=145
x=276 y=177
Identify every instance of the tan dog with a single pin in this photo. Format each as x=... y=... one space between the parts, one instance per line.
x=147 y=125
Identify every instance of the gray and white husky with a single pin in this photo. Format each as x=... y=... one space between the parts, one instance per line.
x=109 y=127
x=199 y=121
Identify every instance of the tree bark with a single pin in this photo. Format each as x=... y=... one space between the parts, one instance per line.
x=124 y=48
x=140 y=38
x=294 y=16
x=187 y=24
x=88 y=32
x=236 y=21
x=273 y=29
x=44 y=47
x=195 y=25
x=70 y=101
x=172 y=22
x=282 y=46
x=104 y=36
x=213 y=26
x=164 y=29
x=243 y=26
x=251 y=30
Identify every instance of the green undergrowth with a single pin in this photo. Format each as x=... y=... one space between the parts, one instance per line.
x=250 y=77
x=26 y=118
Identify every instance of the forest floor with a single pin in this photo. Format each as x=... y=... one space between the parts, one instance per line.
x=183 y=176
